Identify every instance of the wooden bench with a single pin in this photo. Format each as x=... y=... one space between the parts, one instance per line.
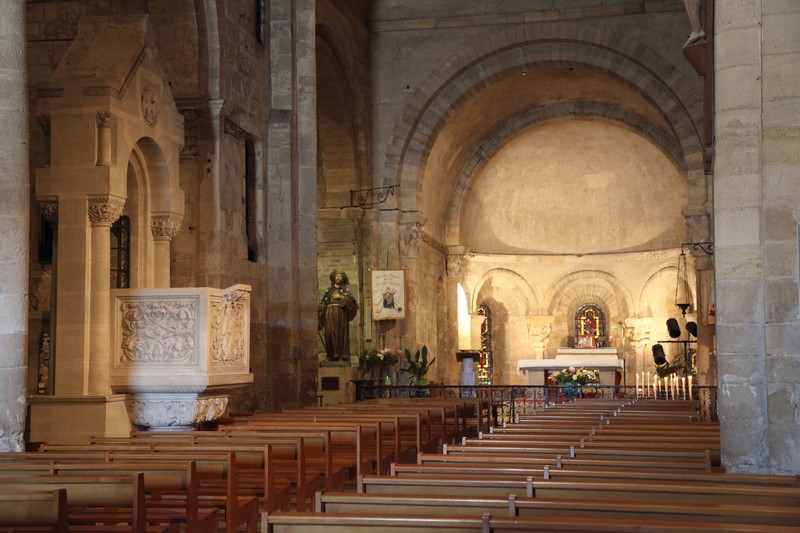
x=596 y=489
x=45 y=510
x=173 y=478
x=123 y=494
x=298 y=459
x=702 y=458
x=217 y=472
x=410 y=505
x=380 y=523
x=396 y=436
x=552 y=472
x=659 y=465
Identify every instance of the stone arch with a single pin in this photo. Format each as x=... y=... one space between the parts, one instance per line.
x=507 y=287
x=344 y=139
x=583 y=286
x=497 y=140
x=470 y=70
x=661 y=282
x=137 y=207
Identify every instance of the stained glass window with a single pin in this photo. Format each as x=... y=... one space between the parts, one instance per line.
x=121 y=253
x=590 y=326
x=485 y=363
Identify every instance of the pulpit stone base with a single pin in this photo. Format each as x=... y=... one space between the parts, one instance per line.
x=73 y=419
x=174 y=411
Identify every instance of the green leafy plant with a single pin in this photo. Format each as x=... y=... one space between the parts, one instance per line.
x=419 y=365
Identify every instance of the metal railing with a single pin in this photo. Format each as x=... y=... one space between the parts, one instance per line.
x=507 y=402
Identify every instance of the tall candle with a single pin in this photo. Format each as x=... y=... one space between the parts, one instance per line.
x=637 y=386
x=690 y=387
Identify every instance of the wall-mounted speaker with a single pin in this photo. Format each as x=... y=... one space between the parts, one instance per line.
x=658 y=354
x=673 y=328
x=691 y=327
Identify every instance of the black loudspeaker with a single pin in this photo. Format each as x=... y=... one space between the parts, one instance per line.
x=691 y=327
x=658 y=354
x=673 y=328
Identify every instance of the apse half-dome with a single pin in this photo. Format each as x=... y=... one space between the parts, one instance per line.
x=575 y=186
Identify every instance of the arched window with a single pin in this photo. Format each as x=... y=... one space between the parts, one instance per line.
x=485 y=364
x=121 y=253
x=590 y=326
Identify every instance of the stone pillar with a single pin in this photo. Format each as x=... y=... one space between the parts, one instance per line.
x=292 y=205
x=14 y=225
x=164 y=229
x=739 y=256
x=103 y=211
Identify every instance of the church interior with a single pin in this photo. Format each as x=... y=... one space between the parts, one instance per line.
x=523 y=179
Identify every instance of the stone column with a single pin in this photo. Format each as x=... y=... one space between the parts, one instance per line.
x=164 y=229
x=105 y=147
x=14 y=225
x=103 y=211
x=739 y=255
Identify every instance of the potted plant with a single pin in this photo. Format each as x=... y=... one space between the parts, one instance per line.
x=419 y=365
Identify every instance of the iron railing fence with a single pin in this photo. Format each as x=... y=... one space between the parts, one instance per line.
x=507 y=402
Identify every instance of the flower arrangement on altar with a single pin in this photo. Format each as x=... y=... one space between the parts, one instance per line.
x=574 y=376
x=378 y=359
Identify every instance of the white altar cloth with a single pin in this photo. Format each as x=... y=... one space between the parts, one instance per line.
x=607 y=365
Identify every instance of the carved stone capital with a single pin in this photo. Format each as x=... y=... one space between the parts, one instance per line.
x=49 y=209
x=104 y=210
x=165 y=227
x=454 y=262
x=105 y=120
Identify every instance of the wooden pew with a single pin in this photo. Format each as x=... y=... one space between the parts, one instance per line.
x=411 y=505
x=173 y=478
x=217 y=470
x=123 y=493
x=380 y=523
x=575 y=474
x=395 y=439
x=595 y=489
x=559 y=461
x=42 y=509
x=702 y=458
x=298 y=459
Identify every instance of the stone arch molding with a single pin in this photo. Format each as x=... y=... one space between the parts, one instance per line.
x=589 y=286
x=473 y=68
x=109 y=100
x=508 y=287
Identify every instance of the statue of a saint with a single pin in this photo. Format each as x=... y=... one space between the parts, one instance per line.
x=336 y=309
x=693 y=10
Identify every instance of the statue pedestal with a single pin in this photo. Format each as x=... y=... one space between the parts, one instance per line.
x=335 y=383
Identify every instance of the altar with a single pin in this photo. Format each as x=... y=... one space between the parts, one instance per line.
x=604 y=360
